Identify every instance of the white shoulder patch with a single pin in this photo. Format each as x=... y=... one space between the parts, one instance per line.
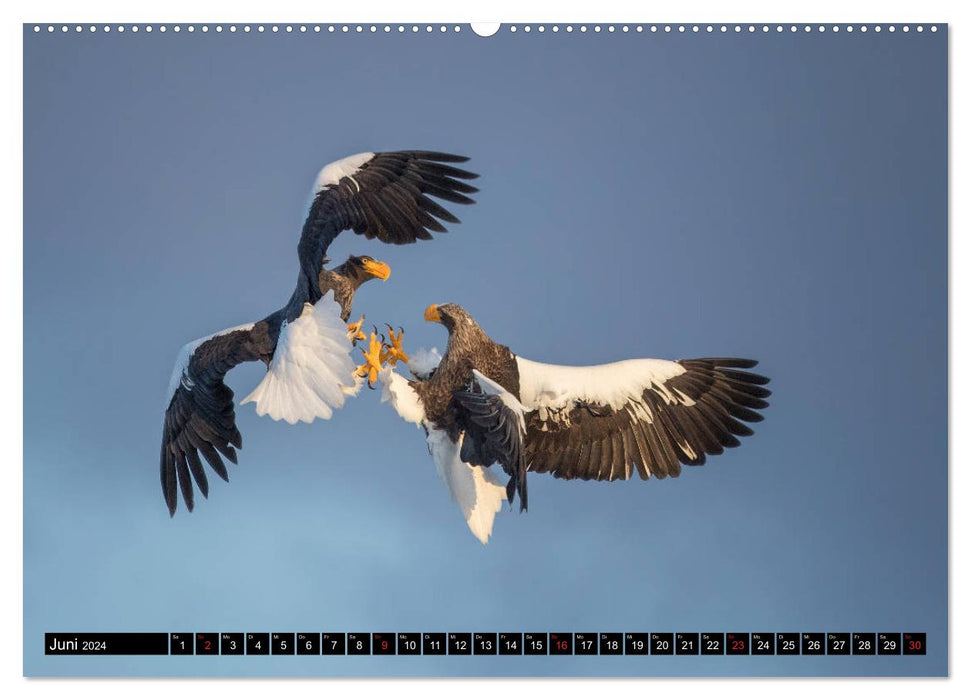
x=476 y=490
x=346 y=167
x=398 y=392
x=614 y=384
x=185 y=354
x=312 y=370
x=495 y=389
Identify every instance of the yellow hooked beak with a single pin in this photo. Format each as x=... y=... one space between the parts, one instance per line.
x=431 y=314
x=378 y=269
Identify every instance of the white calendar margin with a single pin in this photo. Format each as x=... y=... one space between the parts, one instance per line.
x=508 y=11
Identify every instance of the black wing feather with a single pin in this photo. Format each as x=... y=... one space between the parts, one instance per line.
x=386 y=198
x=597 y=442
x=493 y=434
x=201 y=418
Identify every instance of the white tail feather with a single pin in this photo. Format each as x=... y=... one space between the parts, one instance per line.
x=476 y=490
x=312 y=371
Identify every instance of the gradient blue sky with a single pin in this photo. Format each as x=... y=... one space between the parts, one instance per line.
x=775 y=196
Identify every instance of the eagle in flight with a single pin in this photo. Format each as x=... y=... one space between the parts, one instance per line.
x=482 y=404
x=306 y=345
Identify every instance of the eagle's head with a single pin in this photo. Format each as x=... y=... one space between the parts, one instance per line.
x=362 y=268
x=458 y=323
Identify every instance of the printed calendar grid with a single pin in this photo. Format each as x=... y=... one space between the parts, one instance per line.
x=487 y=644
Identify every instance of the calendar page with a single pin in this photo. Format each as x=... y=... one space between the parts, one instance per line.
x=514 y=350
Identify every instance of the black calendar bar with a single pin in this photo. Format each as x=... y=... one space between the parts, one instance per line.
x=632 y=644
x=106 y=643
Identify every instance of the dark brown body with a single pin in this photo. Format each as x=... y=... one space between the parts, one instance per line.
x=666 y=422
x=468 y=348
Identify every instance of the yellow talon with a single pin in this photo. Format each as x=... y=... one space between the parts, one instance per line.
x=372 y=360
x=392 y=352
x=354 y=331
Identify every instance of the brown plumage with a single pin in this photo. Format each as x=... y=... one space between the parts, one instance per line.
x=387 y=196
x=667 y=414
x=345 y=279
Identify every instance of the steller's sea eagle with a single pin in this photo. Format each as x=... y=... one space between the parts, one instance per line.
x=305 y=345
x=481 y=404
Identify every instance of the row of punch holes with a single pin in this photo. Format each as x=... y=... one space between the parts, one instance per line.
x=481 y=30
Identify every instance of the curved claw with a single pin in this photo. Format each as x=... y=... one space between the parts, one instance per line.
x=393 y=352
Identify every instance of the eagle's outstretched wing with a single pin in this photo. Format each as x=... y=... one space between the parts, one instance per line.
x=200 y=417
x=381 y=195
x=653 y=415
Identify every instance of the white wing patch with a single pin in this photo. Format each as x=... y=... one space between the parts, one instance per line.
x=312 y=371
x=398 y=392
x=185 y=354
x=554 y=387
x=346 y=167
x=476 y=490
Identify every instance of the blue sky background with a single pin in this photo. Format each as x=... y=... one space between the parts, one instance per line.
x=775 y=196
